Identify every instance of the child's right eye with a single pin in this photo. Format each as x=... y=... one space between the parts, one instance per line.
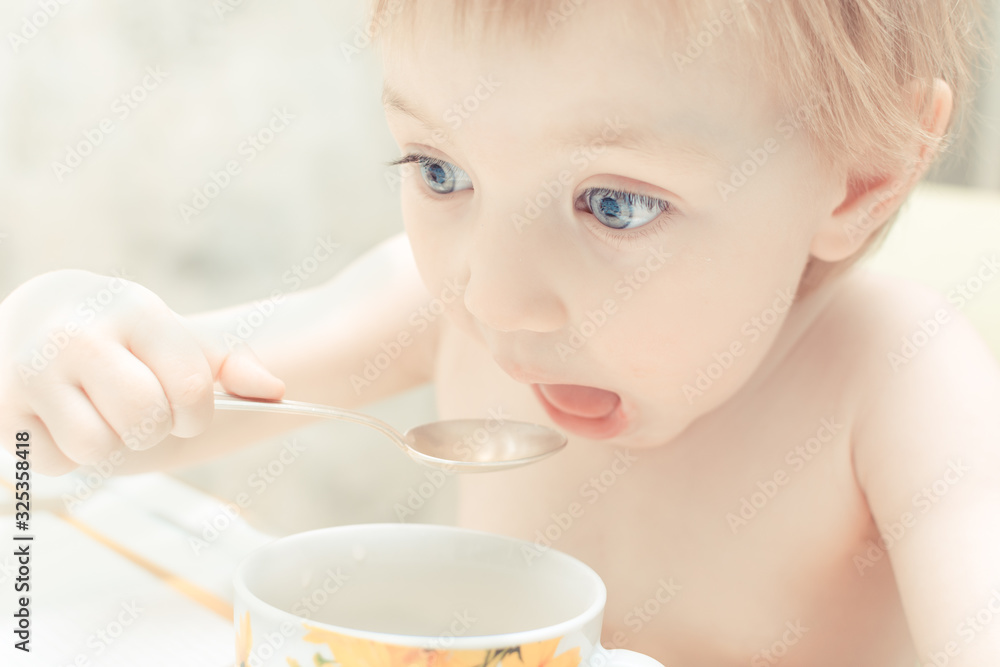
x=440 y=176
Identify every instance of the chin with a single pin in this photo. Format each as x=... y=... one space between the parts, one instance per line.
x=648 y=436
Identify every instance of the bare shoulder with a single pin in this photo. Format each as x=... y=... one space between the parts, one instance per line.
x=926 y=385
x=891 y=318
x=925 y=446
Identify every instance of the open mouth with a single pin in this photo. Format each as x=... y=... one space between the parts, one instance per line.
x=586 y=411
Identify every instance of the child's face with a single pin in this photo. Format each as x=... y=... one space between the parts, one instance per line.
x=571 y=282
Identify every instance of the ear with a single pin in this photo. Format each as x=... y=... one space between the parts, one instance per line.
x=868 y=203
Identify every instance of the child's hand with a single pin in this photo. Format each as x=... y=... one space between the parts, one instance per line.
x=90 y=363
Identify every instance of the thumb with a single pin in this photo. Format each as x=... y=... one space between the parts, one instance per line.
x=243 y=374
x=233 y=363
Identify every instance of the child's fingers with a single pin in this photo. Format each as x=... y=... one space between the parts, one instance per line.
x=73 y=423
x=242 y=374
x=237 y=368
x=127 y=395
x=161 y=342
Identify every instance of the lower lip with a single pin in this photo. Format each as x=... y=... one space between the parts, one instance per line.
x=593 y=428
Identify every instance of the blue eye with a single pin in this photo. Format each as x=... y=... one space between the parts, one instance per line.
x=443 y=177
x=622 y=210
x=440 y=176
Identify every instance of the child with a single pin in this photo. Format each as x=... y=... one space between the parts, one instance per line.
x=637 y=222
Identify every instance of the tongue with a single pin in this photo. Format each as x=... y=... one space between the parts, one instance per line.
x=580 y=401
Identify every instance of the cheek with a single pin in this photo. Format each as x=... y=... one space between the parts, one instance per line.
x=438 y=250
x=721 y=306
x=692 y=326
x=428 y=238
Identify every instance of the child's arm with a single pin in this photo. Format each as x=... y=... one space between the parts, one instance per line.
x=91 y=396
x=927 y=455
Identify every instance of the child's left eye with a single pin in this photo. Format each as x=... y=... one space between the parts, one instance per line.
x=621 y=210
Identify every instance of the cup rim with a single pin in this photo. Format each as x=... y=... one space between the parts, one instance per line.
x=519 y=638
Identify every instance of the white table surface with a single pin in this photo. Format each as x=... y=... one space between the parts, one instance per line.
x=126 y=577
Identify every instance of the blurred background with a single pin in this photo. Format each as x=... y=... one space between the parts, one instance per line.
x=183 y=85
x=114 y=115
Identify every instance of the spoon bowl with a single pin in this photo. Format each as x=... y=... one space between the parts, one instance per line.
x=468 y=445
x=457 y=445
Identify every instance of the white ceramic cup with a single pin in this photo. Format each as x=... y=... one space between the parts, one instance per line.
x=411 y=595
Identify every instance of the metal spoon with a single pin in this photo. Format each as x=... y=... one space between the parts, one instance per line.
x=458 y=445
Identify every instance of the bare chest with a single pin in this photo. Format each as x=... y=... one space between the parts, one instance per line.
x=736 y=543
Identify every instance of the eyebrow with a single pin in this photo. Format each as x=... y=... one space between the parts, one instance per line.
x=640 y=140
x=392 y=100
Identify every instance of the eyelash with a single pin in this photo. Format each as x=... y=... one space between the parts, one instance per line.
x=614 y=237
x=412 y=157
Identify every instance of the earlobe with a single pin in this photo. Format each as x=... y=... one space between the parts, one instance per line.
x=868 y=203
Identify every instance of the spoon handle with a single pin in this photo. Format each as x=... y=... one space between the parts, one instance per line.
x=228 y=402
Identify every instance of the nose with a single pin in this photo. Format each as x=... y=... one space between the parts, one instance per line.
x=512 y=284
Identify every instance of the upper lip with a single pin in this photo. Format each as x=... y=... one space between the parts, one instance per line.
x=525 y=374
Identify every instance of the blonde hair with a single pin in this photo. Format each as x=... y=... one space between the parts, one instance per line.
x=872 y=63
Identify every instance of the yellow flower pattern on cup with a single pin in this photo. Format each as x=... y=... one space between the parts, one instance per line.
x=354 y=652
x=350 y=651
